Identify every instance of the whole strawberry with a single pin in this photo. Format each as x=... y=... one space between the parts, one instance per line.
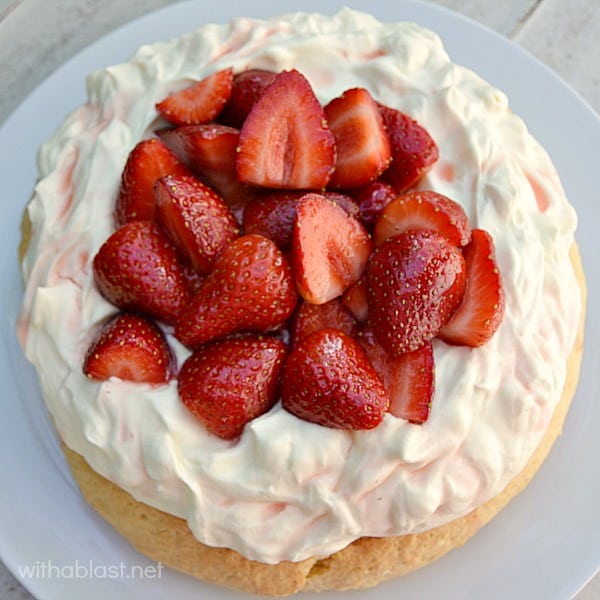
x=138 y=269
x=228 y=383
x=327 y=379
x=249 y=289
x=132 y=348
x=415 y=281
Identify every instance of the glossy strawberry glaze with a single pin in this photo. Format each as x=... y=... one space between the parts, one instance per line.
x=319 y=486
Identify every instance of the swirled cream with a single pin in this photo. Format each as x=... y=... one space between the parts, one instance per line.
x=289 y=489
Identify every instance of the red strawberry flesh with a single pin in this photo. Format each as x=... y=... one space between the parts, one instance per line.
x=424 y=210
x=285 y=142
x=147 y=162
x=362 y=145
x=199 y=102
x=131 y=348
x=329 y=249
x=481 y=312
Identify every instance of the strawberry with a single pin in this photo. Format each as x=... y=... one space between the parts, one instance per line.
x=137 y=268
x=195 y=218
x=285 y=142
x=312 y=317
x=413 y=149
x=209 y=152
x=362 y=145
x=273 y=213
x=329 y=249
x=327 y=379
x=409 y=378
x=247 y=87
x=249 y=289
x=132 y=348
x=372 y=199
x=200 y=102
x=424 y=210
x=229 y=383
x=482 y=309
x=146 y=163
x=355 y=300
x=415 y=281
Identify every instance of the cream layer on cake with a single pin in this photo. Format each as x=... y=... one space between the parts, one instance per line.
x=289 y=489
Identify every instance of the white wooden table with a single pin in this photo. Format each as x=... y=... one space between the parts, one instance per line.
x=36 y=36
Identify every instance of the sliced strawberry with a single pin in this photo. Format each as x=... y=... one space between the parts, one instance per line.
x=415 y=281
x=195 y=218
x=327 y=379
x=413 y=149
x=273 y=213
x=355 y=300
x=200 y=102
x=409 y=379
x=372 y=199
x=247 y=87
x=147 y=162
x=131 y=348
x=424 y=210
x=249 y=289
x=312 y=317
x=285 y=142
x=481 y=312
x=138 y=269
x=329 y=249
x=209 y=152
x=362 y=145
x=229 y=383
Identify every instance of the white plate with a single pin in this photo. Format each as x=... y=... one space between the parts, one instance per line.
x=545 y=545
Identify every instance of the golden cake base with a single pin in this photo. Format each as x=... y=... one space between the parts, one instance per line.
x=364 y=563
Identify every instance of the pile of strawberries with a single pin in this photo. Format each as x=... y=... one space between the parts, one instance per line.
x=280 y=241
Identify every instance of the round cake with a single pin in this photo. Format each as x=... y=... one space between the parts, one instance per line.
x=288 y=504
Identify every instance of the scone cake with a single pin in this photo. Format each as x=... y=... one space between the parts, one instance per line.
x=304 y=300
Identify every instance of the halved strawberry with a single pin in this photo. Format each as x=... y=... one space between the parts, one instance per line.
x=480 y=314
x=131 y=348
x=200 y=102
x=355 y=300
x=413 y=150
x=327 y=379
x=247 y=87
x=362 y=145
x=285 y=142
x=424 y=210
x=209 y=152
x=249 y=289
x=415 y=281
x=195 y=218
x=312 y=317
x=409 y=379
x=147 y=162
x=329 y=249
x=137 y=268
x=228 y=383
x=273 y=213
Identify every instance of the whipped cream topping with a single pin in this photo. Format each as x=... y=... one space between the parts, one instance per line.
x=288 y=489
